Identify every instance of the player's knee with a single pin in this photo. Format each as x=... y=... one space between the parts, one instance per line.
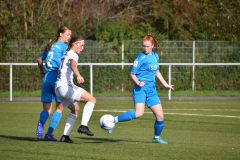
x=139 y=114
x=93 y=100
x=159 y=117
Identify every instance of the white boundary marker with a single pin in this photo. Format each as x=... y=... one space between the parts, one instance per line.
x=180 y=114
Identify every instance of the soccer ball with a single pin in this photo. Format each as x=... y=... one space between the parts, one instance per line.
x=107 y=122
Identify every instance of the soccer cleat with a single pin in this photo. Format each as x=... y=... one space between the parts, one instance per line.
x=109 y=131
x=50 y=138
x=66 y=139
x=39 y=131
x=159 y=140
x=85 y=130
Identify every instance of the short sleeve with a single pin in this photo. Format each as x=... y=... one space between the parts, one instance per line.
x=43 y=55
x=136 y=64
x=157 y=56
x=73 y=56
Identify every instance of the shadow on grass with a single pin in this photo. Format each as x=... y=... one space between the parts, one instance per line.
x=19 y=138
x=98 y=140
x=106 y=140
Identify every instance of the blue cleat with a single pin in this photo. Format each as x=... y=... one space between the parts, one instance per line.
x=109 y=131
x=159 y=140
x=50 y=138
x=39 y=131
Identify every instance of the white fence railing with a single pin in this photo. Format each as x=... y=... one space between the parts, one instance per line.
x=91 y=65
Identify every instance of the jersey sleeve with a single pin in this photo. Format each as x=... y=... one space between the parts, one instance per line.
x=136 y=64
x=73 y=56
x=43 y=55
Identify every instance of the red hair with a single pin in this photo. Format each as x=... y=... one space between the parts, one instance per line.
x=150 y=37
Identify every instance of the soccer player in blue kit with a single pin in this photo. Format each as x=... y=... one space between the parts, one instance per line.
x=52 y=55
x=144 y=71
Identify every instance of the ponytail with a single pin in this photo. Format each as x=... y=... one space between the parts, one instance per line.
x=49 y=45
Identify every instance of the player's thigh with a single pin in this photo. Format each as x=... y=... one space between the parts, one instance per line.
x=47 y=92
x=79 y=94
x=65 y=92
x=139 y=96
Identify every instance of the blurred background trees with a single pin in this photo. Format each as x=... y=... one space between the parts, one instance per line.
x=115 y=20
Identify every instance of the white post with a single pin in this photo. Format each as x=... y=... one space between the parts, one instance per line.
x=91 y=79
x=122 y=55
x=169 y=81
x=122 y=62
x=11 y=81
x=193 y=67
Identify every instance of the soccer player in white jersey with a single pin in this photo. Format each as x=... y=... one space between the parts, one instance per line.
x=70 y=94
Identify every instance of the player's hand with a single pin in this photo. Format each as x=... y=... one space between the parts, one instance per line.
x=80 y=79
x=170 y=87
x=141 y=84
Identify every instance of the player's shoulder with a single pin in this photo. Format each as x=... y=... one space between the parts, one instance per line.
x=141 y=56
x=71 y=54
x=59 y=45
x=156 y=55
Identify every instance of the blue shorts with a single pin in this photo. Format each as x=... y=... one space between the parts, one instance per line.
x=146 y=94
x=48 y=91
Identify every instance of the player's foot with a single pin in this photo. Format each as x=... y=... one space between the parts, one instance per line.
x=85 y=130
x=66 y=139
x=50 y=138
x=39 y=131
x=109 y=131
x=159 y=140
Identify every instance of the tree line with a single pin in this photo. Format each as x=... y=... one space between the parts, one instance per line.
x=116 y=20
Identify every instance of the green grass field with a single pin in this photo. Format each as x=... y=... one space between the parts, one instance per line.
x=195 y=130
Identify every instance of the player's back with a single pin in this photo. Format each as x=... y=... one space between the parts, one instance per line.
x=53 y=60
x=54 y=56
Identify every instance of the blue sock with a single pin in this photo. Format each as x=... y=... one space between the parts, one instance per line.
x=127 y=116
x=54 y=122
x=43 y=117
x=158 y=127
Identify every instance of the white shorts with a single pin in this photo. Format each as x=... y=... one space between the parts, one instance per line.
x=69 y=94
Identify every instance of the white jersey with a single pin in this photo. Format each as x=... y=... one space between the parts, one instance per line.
x=65 y=74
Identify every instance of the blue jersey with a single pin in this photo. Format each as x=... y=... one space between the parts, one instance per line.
x=53 y=60
x=145 y=66
x=53 y=56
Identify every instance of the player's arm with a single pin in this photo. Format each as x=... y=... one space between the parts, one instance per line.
x=162 y=80
x=135 y=79
x=40 y=66
x=74 y=68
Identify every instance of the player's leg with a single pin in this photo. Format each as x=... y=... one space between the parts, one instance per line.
x=131 y=114
x=57 y=115
x=158 y=124
x=139 y=98
x=71 y=120
x=87 y=111
x=47 y=110
x=46 y=99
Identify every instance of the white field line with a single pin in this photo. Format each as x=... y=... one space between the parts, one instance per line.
x=181 y=114
x=202 y=109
